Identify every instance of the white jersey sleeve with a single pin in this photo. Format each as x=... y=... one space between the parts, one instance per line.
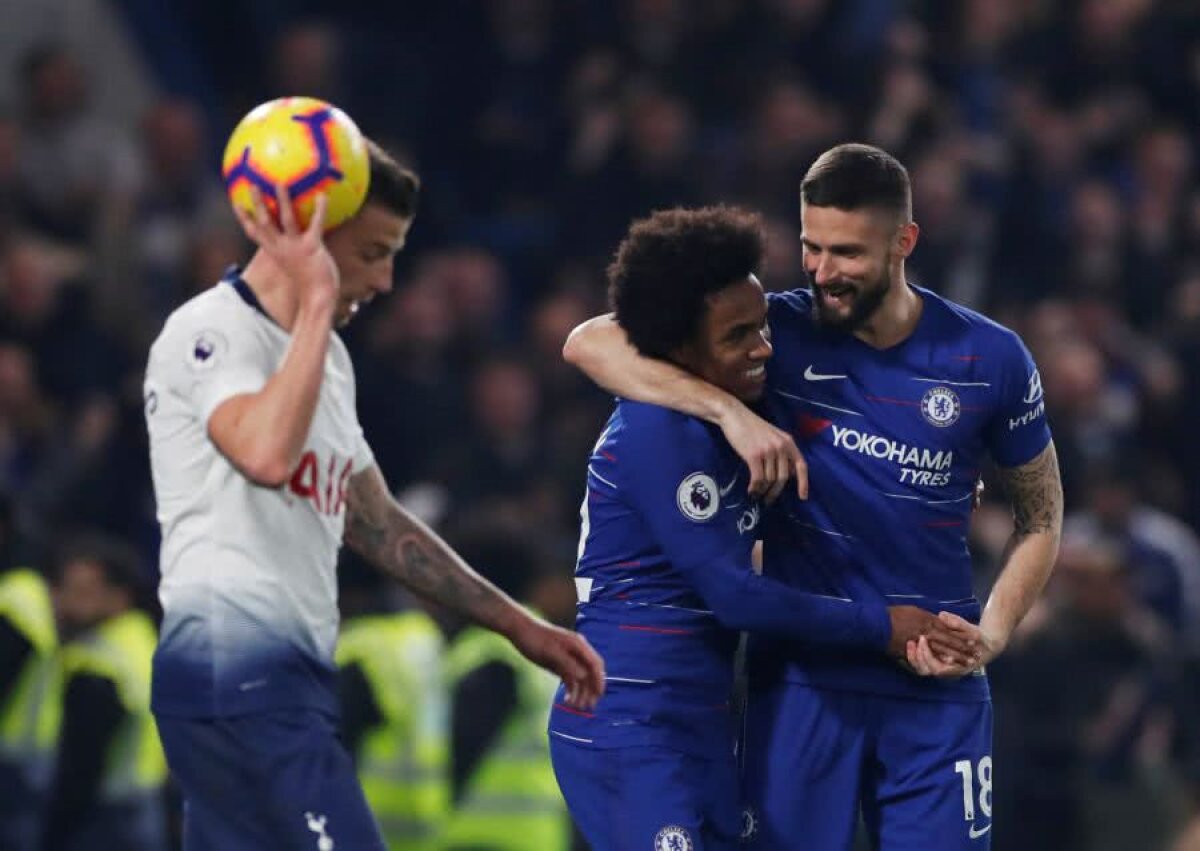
x=205 y=357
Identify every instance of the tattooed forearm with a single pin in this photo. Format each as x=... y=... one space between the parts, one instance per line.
x=1036 y=494
x=386 y=535
x=1035 y=491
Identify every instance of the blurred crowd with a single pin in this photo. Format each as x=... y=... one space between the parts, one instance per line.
x=1053 y=147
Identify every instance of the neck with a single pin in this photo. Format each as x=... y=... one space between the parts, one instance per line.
x=274 y=290
x=897 y=315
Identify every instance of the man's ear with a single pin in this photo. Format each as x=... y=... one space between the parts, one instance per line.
x=906 y=239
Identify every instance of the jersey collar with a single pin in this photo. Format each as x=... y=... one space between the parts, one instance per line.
x=233 y=277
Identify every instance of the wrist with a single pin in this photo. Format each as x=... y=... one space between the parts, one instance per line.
x=515 y=624
x=319 y=310
x=994 y=635
x=721 y=408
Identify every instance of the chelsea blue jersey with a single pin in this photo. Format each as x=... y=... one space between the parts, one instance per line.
x=894 y=440
x=664 y=580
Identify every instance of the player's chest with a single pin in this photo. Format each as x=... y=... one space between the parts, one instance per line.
x=921 y=418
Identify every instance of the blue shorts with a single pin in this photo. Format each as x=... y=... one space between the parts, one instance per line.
x=273 y=781
x=920 y=770
x=649 y=798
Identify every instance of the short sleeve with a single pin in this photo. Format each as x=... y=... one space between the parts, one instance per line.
x=205 y=362
x=1018 y=431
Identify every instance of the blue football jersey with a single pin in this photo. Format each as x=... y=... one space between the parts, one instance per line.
x=664 y=579
x=894 y=441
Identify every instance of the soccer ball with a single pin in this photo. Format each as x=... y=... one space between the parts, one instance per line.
x=308 y=146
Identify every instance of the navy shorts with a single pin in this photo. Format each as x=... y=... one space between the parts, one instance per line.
x=649 y=798
x=272 y=781
x=921 y=771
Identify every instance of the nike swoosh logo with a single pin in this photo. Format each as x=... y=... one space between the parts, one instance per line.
x=975 y=833
x=725 y=490
x=817 y=376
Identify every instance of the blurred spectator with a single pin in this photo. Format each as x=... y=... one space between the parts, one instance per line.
x=394 y=709
x=76 y=171
x=1088 y=764
x=108 y=781
x=504 y=792
x=410 y=393
x=500 y=457
x=30 y=684
x=306 y=61
x=1162 y=555
x=180 y=197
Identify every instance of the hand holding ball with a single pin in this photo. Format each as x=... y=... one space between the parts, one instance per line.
x=308 y=147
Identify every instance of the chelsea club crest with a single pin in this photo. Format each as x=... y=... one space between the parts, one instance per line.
x=673 y=838
x=940 y=407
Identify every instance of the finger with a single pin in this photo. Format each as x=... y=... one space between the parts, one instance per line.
x=801 y=468
x=262 y=215
x=316 y=225
x=593 y=667
x=287 y=216
x=941 y=667
x=588 y=688
x=249 y=225
x=951 y=654
x=951 y=640
x=777 y=473
x=960 y=626
x=756 y=487
x=959 y=655
x=931 y=663
x=914 y=658
x=926 y=654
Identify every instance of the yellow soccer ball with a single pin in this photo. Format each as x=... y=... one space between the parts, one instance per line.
x=307 y=145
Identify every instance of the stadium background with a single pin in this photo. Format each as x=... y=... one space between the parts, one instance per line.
x=1053 y=148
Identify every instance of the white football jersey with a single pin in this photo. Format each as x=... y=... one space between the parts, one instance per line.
x=249 y=587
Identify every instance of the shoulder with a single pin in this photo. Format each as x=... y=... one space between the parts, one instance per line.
x=793 y=303
x=218 y=310
x=201 y=331
x=654 y=430
x=961 y=323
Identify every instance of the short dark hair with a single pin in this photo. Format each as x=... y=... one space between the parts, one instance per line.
x=392 y=185
x=117 y=560
x=670 y=263
x=854 y=176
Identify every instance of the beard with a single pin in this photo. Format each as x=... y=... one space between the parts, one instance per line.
x=865 y=300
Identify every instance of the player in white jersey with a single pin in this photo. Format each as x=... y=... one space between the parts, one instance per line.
x=260 y=472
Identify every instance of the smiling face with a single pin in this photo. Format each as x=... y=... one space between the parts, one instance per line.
x=731 y=347
x=364 y=249
x=849 y=258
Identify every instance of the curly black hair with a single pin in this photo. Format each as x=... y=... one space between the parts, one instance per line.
x=670 y=263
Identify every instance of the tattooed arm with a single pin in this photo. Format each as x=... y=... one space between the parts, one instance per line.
x=386 y=535
x=1035 y=491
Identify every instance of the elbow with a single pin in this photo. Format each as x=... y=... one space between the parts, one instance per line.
x=586 y=342
x=574 y=348
x=268 y=470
